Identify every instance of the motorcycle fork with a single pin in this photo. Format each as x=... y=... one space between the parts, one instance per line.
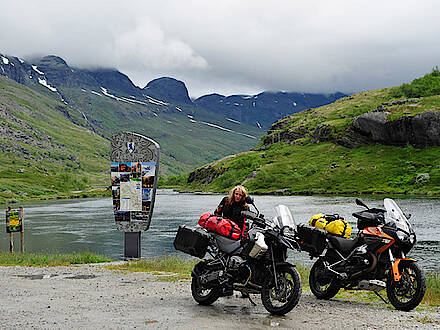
x=395 y=265
x=274 y=269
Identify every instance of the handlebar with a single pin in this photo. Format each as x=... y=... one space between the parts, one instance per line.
x=258 y=219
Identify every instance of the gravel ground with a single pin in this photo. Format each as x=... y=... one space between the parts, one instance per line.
x=91 y=296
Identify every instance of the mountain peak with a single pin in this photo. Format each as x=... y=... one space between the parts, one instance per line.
x=168 y=88
x=52 y=59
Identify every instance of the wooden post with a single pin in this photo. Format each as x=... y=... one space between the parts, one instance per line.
x=11 y=243
x=22 y=230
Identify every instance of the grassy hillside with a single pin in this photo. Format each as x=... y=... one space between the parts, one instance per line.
x=42 y=152
x=295 y=157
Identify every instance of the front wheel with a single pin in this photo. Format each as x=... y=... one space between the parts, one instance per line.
x=283 y=299
x=323 y=284
x=407 y=293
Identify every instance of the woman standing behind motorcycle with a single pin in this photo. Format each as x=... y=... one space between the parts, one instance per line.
x=231 y=206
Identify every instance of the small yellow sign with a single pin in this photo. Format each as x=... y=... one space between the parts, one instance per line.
x=14 y=220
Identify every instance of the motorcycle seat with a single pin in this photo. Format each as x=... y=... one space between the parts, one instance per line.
x=344 y=245
x=227 y=245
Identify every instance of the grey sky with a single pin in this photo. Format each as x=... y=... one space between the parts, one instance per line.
x=232 y=46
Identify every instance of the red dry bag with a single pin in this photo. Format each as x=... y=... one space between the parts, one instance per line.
x=219 y=225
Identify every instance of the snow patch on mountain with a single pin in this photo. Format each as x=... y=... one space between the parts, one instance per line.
x=45 y=84
x=36 y=70
x=154 y=101
x=96 y=93
x=5 y=60
x=232 y=120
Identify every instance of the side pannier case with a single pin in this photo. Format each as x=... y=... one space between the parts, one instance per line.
x=191 y=241
x=311 y=240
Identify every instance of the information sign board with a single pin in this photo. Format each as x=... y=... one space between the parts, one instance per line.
x=134 y=173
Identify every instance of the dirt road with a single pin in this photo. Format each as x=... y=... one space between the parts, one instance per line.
x=91 y=296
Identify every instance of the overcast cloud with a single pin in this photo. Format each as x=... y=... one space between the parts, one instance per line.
x=231 y=46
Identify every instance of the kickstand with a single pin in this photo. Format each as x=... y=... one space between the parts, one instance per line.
x=377 y=294
x=252 y=303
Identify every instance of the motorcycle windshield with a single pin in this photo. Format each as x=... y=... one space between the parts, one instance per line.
x=284 y=217
x=395 y=214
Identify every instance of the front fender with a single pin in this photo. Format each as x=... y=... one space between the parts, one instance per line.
x=395 y=267
x=284 y=264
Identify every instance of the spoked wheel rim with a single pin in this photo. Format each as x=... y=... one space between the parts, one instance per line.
x=323 y=284
x=321 y=280
x=407 y=293
x=405 y=290
x=278 y=297
x=282 y=298
x=200 y=291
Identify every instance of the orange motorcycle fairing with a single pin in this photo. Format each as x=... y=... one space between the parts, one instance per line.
x=377 y=231
x=395 y=268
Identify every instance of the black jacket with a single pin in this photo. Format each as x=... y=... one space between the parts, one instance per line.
x=232 y=211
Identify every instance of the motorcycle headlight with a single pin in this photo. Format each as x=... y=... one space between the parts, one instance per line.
x=289 y=232
x=401 y=236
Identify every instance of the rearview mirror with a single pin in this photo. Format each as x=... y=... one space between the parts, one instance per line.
x=361 y=203
x=249 y=200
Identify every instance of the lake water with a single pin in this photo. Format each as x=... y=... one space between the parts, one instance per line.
x=66 y=226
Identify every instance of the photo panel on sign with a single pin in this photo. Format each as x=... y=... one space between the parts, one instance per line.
x=139 y=216
x=125 y=167
x=116 y=178
x=122 y=216
x=148 y=168
x=114 y=167
x=116 y=192
x=146 y=206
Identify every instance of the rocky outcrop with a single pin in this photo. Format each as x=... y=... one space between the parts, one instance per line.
x=206 y=174
x=421 y=130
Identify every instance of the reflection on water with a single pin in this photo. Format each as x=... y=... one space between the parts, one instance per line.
x=76 y=225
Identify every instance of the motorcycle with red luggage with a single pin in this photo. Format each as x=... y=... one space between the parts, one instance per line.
x=255 y=264
x=374 y=260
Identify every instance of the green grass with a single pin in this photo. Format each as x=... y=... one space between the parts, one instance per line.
x=432 y=296
x=326 y=168
x=40 y=260
x=172 y=264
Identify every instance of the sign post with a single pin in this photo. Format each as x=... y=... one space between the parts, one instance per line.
x=14 y=223
x=134 y=171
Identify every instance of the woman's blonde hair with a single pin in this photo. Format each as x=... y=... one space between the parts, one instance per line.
x=231 y=194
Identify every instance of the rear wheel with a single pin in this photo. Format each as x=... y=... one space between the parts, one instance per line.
x=407 y=293
x=202 y=294
x=323 y=284
x=283 y=299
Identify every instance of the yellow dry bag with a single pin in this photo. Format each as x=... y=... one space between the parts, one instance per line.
x=332 y=223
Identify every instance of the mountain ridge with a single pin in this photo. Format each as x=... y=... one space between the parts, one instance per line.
x=105 y=100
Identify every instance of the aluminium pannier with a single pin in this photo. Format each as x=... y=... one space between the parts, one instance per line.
x=192 y=241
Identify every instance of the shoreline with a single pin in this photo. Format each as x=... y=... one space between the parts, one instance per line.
x=103 y=193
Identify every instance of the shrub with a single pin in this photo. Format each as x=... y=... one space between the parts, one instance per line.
x=427 y=85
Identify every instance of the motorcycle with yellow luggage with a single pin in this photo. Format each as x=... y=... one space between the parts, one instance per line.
x=374 y=260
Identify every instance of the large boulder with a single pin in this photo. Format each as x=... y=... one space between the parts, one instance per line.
x=421 y=130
